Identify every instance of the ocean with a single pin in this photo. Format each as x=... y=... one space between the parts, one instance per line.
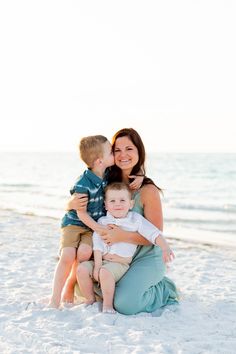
x=199 y=190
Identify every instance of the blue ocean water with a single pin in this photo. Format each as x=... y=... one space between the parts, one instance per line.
x=199 y=190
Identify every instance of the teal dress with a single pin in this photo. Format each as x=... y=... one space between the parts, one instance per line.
x=144 y=288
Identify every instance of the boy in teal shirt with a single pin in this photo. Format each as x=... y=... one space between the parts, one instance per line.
x=78 y=226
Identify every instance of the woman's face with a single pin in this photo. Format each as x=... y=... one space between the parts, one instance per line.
x=125 y=153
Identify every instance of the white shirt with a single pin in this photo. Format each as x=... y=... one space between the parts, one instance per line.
x=132 y=222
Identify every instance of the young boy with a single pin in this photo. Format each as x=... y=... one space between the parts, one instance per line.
x=77 y=226
x=111 y=262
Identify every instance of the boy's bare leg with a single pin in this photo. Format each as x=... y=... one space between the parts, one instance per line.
x=84 y=253
x=62 y=271
x=107 y=282
x=86 y=284
x=68 y=293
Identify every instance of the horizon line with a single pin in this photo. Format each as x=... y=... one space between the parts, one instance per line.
x=147 y=151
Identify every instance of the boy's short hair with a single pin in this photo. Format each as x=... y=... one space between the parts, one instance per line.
x=91 y=148
x=118 y=186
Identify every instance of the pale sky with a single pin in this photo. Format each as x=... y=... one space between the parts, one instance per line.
x=74 y=68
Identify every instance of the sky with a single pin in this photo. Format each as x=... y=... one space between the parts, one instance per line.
x=69 y=69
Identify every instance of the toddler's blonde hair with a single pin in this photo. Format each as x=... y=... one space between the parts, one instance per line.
x=118 y=186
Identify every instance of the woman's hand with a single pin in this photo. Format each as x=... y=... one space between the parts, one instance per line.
x=101 y=230
x=78 y=201
x=168 y=255
x=112 y=235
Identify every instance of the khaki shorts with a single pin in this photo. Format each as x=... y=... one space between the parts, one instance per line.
x=115 y=268
x=73 y=236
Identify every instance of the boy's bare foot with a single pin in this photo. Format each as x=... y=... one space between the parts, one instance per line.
x=108 y=310
x=53 y=305
x=66 y=305
x=68 y=295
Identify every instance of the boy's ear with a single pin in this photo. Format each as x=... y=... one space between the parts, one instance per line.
x=98 y=161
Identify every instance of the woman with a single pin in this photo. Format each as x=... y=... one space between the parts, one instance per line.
x=144 y=288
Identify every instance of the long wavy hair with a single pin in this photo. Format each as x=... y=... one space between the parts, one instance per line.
x=115 y=174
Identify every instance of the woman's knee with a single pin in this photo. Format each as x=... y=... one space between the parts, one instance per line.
x=126 y=303
x=82 y=270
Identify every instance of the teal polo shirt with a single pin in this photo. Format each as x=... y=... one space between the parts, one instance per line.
x=93 y=186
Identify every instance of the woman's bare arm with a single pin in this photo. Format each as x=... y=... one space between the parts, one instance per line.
x=115 y=234
x=153 y=212
x=151 y=200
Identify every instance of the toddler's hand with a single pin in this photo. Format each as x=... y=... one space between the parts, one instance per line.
x=96 y=274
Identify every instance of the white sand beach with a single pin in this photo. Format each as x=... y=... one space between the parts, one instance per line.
x=204 y=322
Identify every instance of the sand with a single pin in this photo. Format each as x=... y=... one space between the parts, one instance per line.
x=204 y=322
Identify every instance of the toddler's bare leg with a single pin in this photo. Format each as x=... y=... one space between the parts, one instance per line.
x=62 y=271
x=84 y=253
x=107 y=282
x=86 y=284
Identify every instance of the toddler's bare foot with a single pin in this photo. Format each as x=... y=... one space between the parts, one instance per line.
x=108 y=310
x=89 y=302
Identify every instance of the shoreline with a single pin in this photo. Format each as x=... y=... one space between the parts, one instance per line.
x=198 y=237
x=201 y=237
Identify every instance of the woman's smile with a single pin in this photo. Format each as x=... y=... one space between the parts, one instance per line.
x=125 y=162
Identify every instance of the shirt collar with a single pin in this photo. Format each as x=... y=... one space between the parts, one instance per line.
x=118 y=221
x=93 y=178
